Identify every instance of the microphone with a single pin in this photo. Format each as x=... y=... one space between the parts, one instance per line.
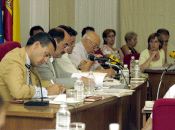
x=99 y=59
x=36 y=102
x=161 y=78
x=120 y=68
x=113 y=58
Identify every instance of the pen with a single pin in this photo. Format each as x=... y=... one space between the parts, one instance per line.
x=52 y=81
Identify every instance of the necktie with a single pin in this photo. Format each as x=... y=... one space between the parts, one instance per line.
x=29 y=73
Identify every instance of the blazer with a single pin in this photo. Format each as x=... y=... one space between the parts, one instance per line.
x=52 y=71
x=13 y=76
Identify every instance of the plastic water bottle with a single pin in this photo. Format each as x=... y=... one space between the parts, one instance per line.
x=132 y=65
x=91 y=84
x=63 y=118
x=125 y=76
x=79 y=87
x=114 y=126
x=136 y=71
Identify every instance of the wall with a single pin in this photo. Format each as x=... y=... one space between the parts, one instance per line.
x=33 y=12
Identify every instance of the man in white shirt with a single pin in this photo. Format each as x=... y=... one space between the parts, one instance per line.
x=86 y=46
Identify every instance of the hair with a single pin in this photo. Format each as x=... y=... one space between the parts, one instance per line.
x=151 y=37
x=85 y=29
x=129 y=36
x=69 y=30
x=57 y=33
x=35 y=28
x=163 y=31
x=106 y=33
x=43 y=38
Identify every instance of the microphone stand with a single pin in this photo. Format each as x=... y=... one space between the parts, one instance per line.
x=112 y=65
x=161 y=79
x=36 y=102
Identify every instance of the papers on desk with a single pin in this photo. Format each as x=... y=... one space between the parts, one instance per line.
x=61 y=98
x=114 y=92
x=99 y=77
x=148 y=105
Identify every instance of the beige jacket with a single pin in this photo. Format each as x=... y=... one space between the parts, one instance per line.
x=13 y=80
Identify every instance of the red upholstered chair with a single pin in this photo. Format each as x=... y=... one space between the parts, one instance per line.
x=127 y=58
x=6 y=47
x=164 y=114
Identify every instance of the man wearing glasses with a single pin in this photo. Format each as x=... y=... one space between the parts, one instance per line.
x=50 y=72
x=89 y=43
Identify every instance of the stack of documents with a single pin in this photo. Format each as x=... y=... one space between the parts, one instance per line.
x=114 y=92
x=148 y=105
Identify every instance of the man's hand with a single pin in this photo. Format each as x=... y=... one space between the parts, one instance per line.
x=110 y=72
x=55 y=89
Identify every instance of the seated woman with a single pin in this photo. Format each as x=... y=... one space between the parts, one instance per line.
x=154 y=56
x=109 y=40
x=131 y=42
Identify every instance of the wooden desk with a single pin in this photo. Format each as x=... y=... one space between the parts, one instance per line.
x=97 y=115
x=154 y=79
x=137 y=102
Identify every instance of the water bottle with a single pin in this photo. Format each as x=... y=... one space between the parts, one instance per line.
x=63 y=118
x=114 y=126
x=79 y=87
x=91 y=84
x=136 y=71
x=125 y=76
x=132 y=65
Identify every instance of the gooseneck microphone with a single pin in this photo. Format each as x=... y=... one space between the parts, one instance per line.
x=161 y=78
x=40 y=102
x=99 y=59
x=120 y=68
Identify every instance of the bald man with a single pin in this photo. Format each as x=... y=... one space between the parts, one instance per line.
x=88 y=45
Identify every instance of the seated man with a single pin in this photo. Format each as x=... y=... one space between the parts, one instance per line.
x=65 y=62
x=86 y=46
x=16 y=81
x=163 y=36
x=51 y=71
x=35 y=29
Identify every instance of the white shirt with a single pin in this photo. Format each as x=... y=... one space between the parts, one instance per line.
x=37 y=89
x=66 y=64
x=79 y=54
x=170 y=93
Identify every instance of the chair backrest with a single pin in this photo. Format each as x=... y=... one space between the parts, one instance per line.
x=127 y=58
x=164 y=114
x=6 y=47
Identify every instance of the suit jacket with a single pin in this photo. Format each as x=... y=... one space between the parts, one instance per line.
x=52 y=71
x=13 y=76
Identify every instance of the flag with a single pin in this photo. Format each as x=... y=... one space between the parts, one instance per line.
x=16 y=21
x=12 y=20
x=1 y=25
